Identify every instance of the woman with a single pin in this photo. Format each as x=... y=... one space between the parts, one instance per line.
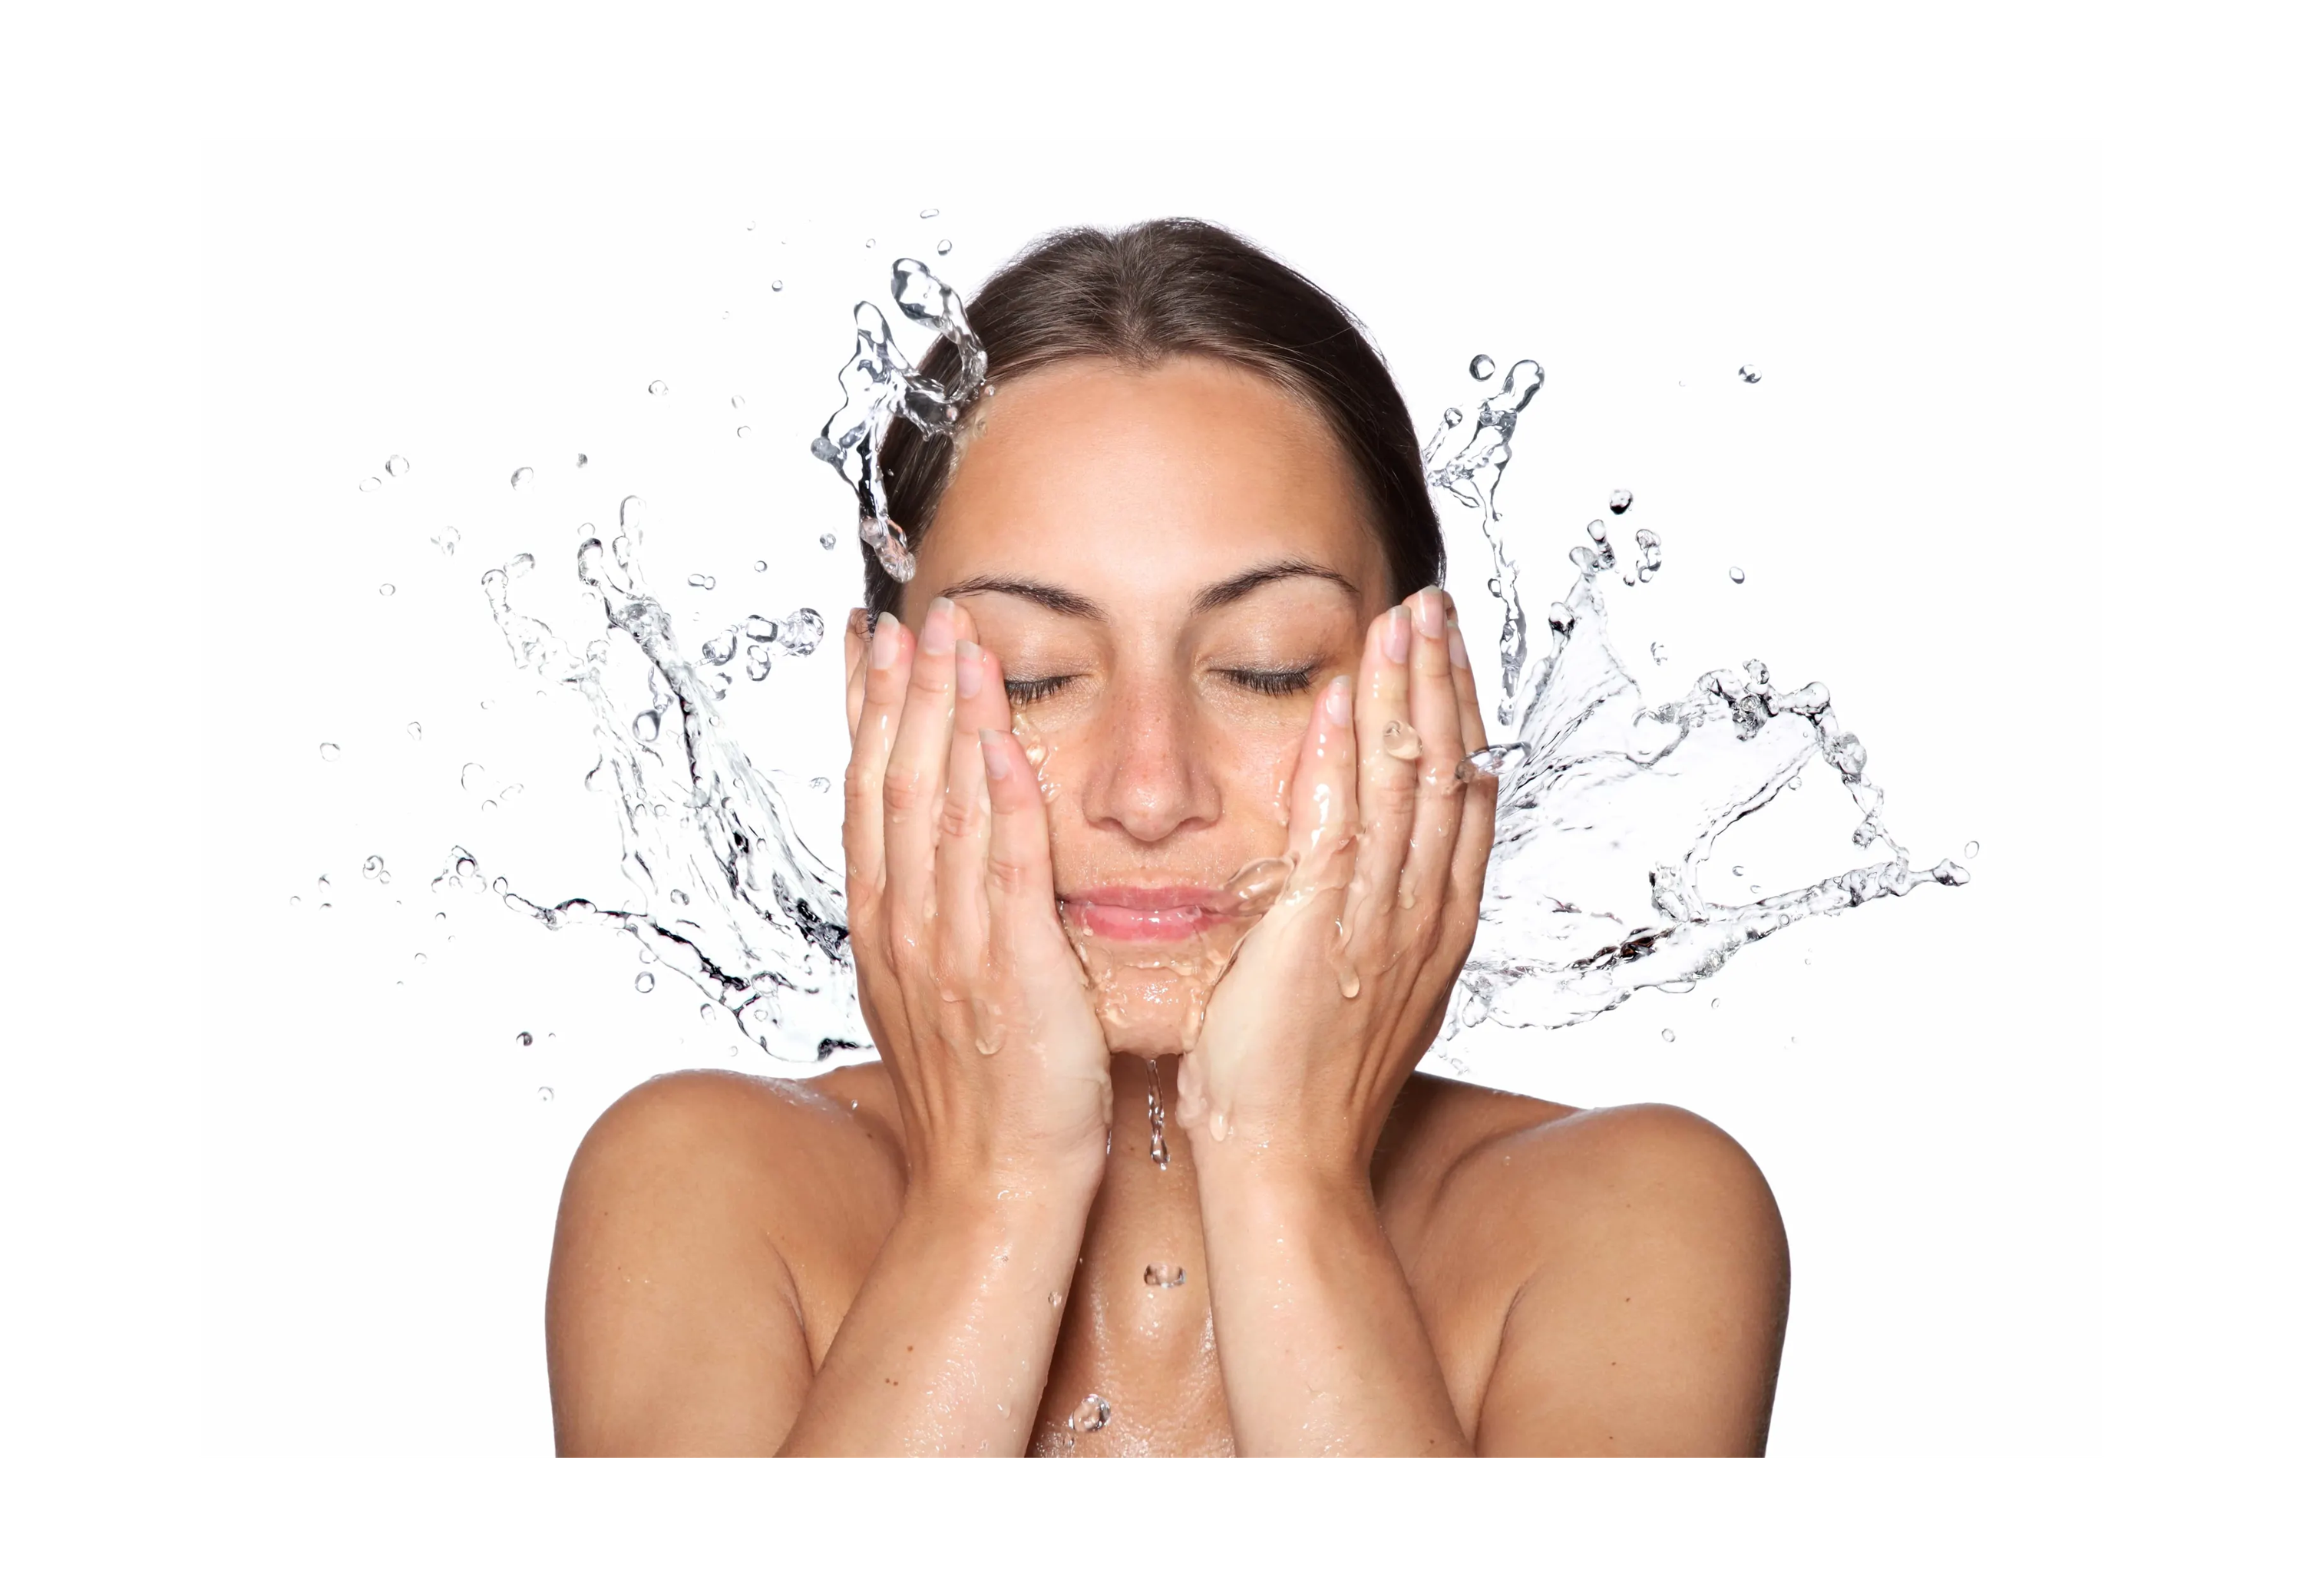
x=1153 y=799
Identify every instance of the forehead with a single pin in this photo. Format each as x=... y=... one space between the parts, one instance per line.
x=1143 y=483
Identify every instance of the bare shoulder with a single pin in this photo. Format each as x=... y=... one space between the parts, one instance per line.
x=1575 y=1265
x=711 y=1232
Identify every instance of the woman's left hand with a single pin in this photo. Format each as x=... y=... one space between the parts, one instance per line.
x=1338 y=990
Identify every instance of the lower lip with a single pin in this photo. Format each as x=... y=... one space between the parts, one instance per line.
x=1137 y=925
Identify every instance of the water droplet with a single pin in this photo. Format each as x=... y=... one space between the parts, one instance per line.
x=1483 y=368
x=777 y=286
x=1654 y=653
x=703 y=1011
x=446 y=539
x=827 y=540
x=528 y=1039
x=1055 y=1298
x=523 y=477
x=368 y=485
x=329 y=751
x=472 y=777
x=659 y=387
x=824 y=784
x=397 y=465
x=1092 y=1414
x=1669 y=1036
x=293 y=900
x=1750 y=374
x=696 y=578
x=1715 y=1002
x=1738 y=870
x=643 y=981
x=1400 y=741
x=743 y=432
x=645 y=725
x=943 y=246
x=869 y=242
x=387 y=591
x=1170 y=1275
x=735 y=402
x=1620 y=499
x=929 y=213
x=544 y=1094
x=1735 y=574
x=372 y=864
x=582 y=460
x=416 y=730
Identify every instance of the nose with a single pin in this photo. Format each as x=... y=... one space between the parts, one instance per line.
x=1150 y=776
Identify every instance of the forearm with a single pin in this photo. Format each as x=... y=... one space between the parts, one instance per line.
x=946 y=1349
x=1322 y=1349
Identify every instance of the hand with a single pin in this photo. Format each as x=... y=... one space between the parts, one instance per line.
x=973 y=992
x=1341 y=987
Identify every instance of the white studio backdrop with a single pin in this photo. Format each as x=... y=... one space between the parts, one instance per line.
x=1910 y=489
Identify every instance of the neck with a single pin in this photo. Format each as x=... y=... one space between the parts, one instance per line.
x=1149 y=1203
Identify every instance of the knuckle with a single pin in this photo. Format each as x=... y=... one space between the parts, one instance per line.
x=1009 y=875
x=903 y=789
x=958 y=817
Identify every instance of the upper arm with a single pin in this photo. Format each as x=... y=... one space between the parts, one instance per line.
x=673 y=1320
x=1651 y=1319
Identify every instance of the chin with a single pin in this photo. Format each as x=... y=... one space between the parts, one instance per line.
x=1146 y=1012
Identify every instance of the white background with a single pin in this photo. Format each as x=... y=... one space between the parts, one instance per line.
x=1908 y=489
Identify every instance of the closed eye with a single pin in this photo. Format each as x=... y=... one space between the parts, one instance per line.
x=1279 y=684
x=1031 y=690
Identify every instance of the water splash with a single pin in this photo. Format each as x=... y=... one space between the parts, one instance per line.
x=722 y=889
x=1607 y=809
x=880 y=385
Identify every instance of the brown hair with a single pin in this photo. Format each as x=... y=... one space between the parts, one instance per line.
x=1176 y=287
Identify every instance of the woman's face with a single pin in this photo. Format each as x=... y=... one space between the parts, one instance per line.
x=1169 y=563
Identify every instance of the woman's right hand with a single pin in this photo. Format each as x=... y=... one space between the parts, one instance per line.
x=978 y=1003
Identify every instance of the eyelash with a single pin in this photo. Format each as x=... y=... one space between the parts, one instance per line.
x=1032 y=692
x=1276 y=684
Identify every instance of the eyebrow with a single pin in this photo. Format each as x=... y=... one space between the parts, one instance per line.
x=1063 y=601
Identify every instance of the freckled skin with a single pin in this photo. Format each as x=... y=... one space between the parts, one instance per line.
x=935 y=1253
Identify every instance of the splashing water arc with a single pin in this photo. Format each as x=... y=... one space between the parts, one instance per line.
x=1607 y=808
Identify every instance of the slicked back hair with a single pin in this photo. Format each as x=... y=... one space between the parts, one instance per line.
x=1175 y=286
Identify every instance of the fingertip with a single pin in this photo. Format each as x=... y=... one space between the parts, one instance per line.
x=999 y=761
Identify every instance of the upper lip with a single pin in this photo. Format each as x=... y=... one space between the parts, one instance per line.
x=1148 y=897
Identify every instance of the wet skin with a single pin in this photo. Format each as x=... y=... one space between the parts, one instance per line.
x=1150 y=640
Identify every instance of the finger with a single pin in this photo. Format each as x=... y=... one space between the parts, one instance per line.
x=858 y=642
x=1474 y=726
x=1019 y=881
x=887 y=665
x=1467 y=872
x=912 y=795
x=961 y=848
x=1388 y=746
x=1323 y=802
x=1439 y=731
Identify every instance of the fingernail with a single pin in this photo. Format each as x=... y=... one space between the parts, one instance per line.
x=937 y=633
x=995 y=754
x=1430 y=618
x=885 y=641
x=1394 y=635
x=1339 y=701
x=968 y=671
x=1456 y=650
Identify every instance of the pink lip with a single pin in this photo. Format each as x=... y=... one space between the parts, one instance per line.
x=1145 y=914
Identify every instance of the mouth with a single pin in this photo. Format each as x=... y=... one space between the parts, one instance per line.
x=1171 y=914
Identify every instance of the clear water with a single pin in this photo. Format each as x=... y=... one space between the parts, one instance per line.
x=1608 y=807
